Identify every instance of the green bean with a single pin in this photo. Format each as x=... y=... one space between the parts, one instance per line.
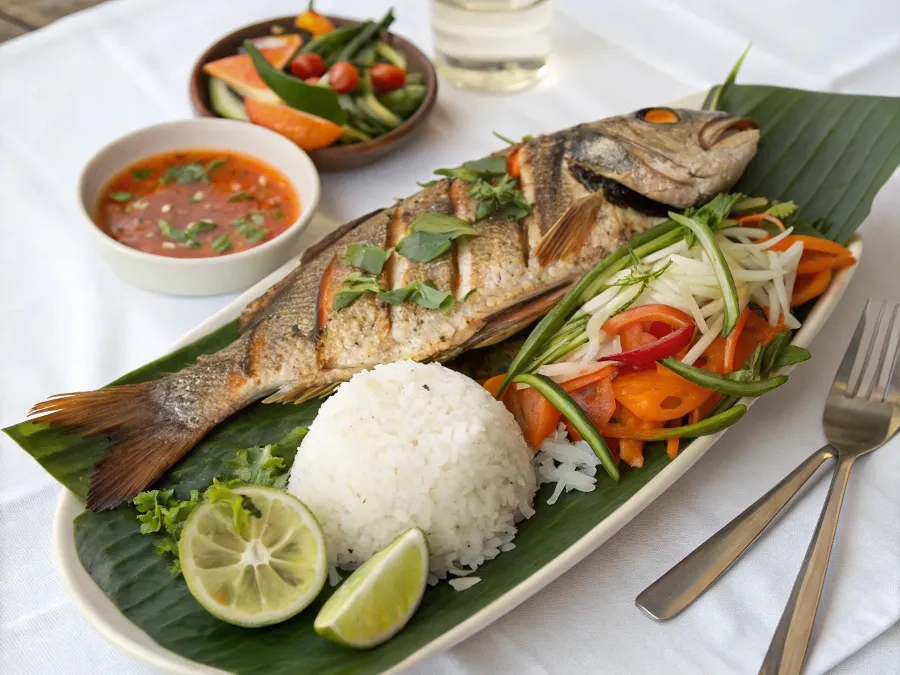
x=369 y=32
x=792 y=355
x=656 y=238
x=723 y=384
x=720 y=267
x=560 y=400
x=333 y=40
x=704 y=427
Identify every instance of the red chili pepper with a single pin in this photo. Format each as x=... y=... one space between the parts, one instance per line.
x=666 y=346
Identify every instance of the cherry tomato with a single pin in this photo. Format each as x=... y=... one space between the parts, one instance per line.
x=343 y=77
x=386 y=77
x=308 y=65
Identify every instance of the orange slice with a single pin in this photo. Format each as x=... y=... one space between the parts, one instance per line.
x=238 y=72
x=308 y=131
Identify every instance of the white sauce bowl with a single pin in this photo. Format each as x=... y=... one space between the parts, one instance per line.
x=199 y=276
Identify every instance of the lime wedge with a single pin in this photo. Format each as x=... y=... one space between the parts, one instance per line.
x=261 y=576
x=380 y=597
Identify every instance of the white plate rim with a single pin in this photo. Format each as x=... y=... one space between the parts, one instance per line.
x=105 y=618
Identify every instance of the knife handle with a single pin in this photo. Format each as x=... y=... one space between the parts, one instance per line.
x=689 y=579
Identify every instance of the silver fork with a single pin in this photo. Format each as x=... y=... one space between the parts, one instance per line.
x=862 y=411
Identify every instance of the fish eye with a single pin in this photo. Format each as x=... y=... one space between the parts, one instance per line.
x=659 y=115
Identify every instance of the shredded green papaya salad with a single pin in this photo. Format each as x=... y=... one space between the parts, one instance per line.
x=665 y=335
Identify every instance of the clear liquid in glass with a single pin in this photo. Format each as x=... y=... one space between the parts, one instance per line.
x=497 y=45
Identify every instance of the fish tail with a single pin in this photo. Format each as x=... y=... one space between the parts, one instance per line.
x=146 y=440
x=151 y=425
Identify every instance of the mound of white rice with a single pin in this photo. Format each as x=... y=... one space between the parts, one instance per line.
x=409 y=444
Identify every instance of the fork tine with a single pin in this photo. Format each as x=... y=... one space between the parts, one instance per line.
x=881 y=340
x=888 y=356
x=842 y=377
x=866 y=348
x=892 y=379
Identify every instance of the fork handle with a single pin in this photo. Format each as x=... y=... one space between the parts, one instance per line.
x=684 y=583
x=788 y=647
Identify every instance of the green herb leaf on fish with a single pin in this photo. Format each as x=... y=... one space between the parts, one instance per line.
x=509 y=141
x=484 y=168
x=221 y=244
x=503 y=200
x=141 y=174
x=431 y=234
x=240 y=197
x=353 y=286
x=120 y=196
x=368 y=258
x=423 y=293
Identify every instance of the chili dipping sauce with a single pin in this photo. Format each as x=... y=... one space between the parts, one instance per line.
x=197 y=204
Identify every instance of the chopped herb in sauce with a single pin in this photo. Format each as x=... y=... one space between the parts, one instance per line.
x=120 y=196
x=278 y=213
x=353 y=286
x=257 y=218
x=240 y=197
x=221 y=244
x=142 y=174
x=368 y=258
x=431 y=235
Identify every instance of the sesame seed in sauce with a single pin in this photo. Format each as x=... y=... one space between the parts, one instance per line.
x=165 y=208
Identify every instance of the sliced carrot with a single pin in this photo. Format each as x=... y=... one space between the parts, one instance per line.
x=492 y=384
x=632 y=452
x=634 y=336
x=824 y=261
x=672 y=447
x=809 y=286
x=537 y=416
x=754 y=218
x=577 y=383
x=596 y=400
x=731 y=342
x=514 y=162
x=810 y=244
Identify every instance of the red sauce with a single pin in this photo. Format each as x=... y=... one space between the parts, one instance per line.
x=197 y=204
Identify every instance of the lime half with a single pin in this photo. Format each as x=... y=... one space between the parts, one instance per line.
x=380 y=597
x=262 y=576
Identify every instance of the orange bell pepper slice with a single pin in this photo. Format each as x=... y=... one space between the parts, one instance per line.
x=658 y=395
x=596 y=400
x=754 y=218
x=646 y=314
x=810 y=286
x=731 y=341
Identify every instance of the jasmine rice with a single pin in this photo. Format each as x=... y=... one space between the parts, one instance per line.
x=415 y=445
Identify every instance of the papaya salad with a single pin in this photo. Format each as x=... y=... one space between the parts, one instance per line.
x=664 y=336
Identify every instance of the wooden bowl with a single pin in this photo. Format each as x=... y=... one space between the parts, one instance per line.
x=337 y=157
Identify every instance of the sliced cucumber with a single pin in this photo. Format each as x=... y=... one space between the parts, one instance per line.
x=224 y=101
x=372 y=107
x=388 y=53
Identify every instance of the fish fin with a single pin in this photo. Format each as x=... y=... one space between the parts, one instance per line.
x=300 y=393
x=570 y=231
x=146 y=442
x=511 y=321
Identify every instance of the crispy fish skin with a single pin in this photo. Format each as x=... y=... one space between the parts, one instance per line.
x=591 y=187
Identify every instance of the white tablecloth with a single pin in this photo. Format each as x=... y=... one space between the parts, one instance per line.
x=67 y=323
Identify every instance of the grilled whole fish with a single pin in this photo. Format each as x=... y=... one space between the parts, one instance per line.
x=591 y=187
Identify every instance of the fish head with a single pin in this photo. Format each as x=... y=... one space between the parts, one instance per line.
x=677 y=157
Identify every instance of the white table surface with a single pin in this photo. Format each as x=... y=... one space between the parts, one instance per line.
x=66 y=323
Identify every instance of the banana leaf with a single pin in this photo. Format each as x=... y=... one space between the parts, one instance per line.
x=830 y=153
